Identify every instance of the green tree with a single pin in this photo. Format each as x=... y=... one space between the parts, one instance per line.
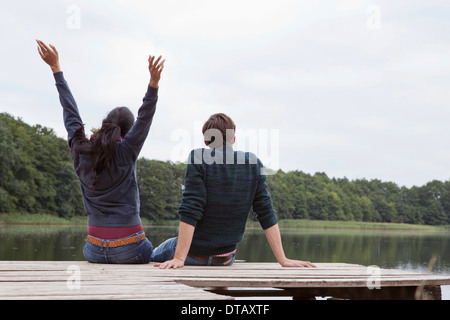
x=37 y=176
x=160 y=189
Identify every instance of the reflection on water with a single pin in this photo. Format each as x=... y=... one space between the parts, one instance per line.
x=405 y=250
x=387 y=249
x=59 y=243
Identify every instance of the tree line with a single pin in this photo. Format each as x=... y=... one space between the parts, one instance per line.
x=37 y=176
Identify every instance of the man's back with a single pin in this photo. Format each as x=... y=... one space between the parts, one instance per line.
x=221 y=187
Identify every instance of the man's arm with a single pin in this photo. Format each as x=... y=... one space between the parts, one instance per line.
x=274 y=238
x=185 y=234
x=262 y=203
x=263 y=207
x=191 y=210
x=193 y=201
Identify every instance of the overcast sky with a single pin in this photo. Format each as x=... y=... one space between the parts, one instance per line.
x=352 y=88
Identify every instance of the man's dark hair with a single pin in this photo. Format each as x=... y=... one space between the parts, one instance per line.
x=219 y=122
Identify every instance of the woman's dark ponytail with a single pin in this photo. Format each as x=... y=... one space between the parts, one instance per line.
x=103 y=147
x=114 y=127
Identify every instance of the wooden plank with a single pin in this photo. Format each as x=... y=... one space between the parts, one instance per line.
x=100 y=292
x=6 y=275
x=48 y=280
x=89 y=270
x=45 y=280
x=205 y=271
x=102 y=289
x=309 y=283
x=57 y=265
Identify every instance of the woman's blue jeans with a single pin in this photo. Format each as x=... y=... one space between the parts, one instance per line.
x=166 y=251
x=139 y=252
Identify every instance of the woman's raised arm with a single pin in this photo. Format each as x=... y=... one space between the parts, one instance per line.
x=72 y=119
x=135 y=138
x=50 y=55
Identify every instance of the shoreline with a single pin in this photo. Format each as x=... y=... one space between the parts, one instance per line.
x=43 y=219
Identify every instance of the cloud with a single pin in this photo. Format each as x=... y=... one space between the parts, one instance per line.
x=219 y=20
x=346 y=100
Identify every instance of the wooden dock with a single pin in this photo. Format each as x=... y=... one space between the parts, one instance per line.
x=64 y=280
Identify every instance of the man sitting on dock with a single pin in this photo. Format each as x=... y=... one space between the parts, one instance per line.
x=221 y=187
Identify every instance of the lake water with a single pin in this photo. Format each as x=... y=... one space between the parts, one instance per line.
x=411 y=251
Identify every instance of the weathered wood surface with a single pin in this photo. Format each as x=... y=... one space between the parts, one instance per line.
x=59 y=280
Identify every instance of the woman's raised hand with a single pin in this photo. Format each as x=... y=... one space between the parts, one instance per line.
x=50 y=55
x=155 y=67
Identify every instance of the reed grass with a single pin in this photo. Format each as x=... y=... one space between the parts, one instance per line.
x=46 y=219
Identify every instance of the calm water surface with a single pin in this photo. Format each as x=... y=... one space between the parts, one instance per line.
x=412 y=251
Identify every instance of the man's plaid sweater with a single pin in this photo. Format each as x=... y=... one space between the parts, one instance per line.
x=221 y=188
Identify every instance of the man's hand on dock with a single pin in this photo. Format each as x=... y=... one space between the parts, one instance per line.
x=171 y=264
x=297 y=263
